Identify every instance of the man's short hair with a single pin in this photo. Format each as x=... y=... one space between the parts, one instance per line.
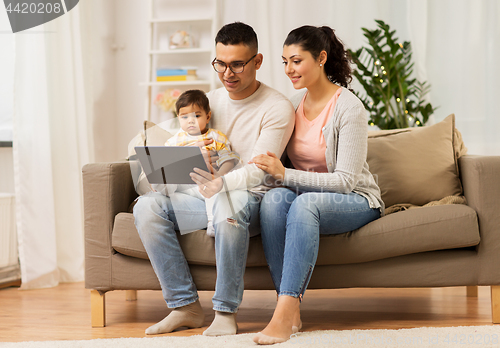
x=193 y=96
x=237 y=33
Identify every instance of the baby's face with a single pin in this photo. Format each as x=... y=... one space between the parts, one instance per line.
x=193 y=119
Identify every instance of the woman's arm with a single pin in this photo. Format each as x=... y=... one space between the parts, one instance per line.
x=271 y=164
x=350 y=150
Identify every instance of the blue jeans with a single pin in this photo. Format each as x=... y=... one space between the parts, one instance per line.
x=291 y=224
x=157 y=218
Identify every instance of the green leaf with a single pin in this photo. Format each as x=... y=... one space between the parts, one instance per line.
x=379 y=97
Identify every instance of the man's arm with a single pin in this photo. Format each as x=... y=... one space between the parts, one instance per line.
x=276 y=130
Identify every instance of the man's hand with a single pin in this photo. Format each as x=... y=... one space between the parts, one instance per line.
x=208 y=184
x=210 y=157
x=271 y=164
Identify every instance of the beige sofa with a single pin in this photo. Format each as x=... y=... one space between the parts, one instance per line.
x=431 y=246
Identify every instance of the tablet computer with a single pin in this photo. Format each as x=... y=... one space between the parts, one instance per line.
x=170 y=164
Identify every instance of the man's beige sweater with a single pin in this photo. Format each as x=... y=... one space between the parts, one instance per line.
x=259 y=123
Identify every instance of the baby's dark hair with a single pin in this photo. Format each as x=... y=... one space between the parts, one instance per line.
x=317 y=39
x=193 y=96
x=237 y=33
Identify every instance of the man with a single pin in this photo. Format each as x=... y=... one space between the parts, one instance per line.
x=256 y=119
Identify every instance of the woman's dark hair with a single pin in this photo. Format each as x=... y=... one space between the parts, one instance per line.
x=237 y=33
x=317 y=39
x=193 y=96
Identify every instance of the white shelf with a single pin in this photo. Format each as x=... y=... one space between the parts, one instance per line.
x=181 y=20
x=177 y=83
x=199 y=18
x=181 y=51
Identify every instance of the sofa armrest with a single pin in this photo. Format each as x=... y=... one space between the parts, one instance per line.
x=481 y=183
x=108 y=189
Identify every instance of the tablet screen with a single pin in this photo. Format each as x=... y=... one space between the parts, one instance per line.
x=170 y=164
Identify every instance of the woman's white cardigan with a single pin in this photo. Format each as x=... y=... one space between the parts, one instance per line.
x=346 y=137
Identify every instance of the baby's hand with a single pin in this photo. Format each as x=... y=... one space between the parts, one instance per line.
x=210 y=156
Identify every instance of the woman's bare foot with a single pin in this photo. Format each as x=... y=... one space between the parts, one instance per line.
x=297 y=323
x=285 y=317
x=297 y=328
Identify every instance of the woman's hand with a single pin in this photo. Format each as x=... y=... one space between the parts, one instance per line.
x=271 y=164
x=208 y=184
x=210 y=156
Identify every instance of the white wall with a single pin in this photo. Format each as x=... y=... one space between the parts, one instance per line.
x=119 y=45
x=131 y=30
x=104 y=89
x=6 y=77
x=6 y=96
x=466 y=77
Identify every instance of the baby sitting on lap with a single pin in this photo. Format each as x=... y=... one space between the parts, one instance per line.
x=193 y=111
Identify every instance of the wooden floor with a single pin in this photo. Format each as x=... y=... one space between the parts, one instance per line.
x=63 y=313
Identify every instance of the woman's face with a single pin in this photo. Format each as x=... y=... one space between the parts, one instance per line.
x=300 y=66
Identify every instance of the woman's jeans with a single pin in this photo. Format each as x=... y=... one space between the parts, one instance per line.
x=291 y=225
x=159 y=218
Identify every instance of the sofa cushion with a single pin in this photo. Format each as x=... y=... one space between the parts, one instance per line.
x=408 y=232
x=197 y=246
x=402 y=233
x=415 y=165
x=125 y=238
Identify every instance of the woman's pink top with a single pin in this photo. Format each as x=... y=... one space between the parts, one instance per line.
x=306 y=148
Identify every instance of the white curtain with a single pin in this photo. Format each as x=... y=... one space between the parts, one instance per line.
x=456 y=44
x=52 y=141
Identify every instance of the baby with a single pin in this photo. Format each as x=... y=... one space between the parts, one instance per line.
x=193 y=112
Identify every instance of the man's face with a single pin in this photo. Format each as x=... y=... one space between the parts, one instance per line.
x=242 y=85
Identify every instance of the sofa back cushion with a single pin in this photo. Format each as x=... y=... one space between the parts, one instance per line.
x=415 y=165
x=153 y=134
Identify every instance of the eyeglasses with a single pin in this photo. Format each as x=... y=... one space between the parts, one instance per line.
x=235 y=67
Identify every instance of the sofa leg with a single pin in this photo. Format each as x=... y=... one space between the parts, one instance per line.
x=97 y=308
x=131 y=295
x=472 y=291
x=495 y=304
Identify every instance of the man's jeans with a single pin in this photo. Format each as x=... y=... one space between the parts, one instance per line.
x=157 y=219
x=291 y=225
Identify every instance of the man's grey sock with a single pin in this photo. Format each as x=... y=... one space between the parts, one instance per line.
x=223 y=324
x=191 y=316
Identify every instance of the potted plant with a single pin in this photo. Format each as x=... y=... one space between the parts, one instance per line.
x=392 y=97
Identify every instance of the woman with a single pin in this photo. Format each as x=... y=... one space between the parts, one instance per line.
x=330 y=190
